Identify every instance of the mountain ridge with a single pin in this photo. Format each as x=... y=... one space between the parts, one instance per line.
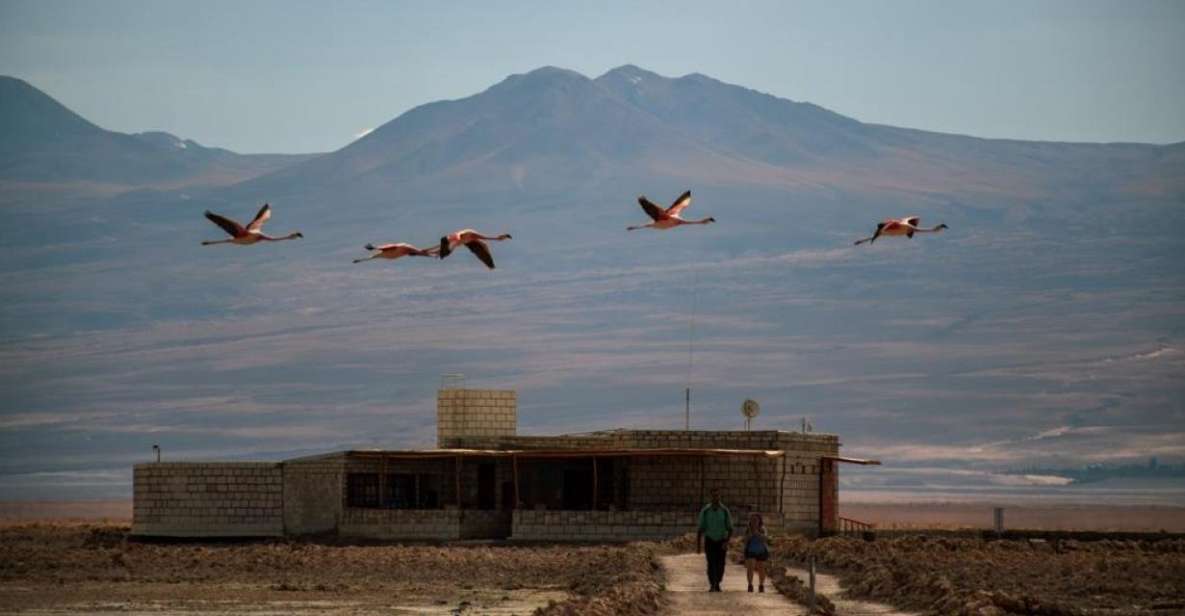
x=45 y=146
x=552 y=131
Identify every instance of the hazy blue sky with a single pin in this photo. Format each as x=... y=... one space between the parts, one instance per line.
x=299 y=76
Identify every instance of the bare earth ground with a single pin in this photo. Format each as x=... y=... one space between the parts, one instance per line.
x=94 y=569
x=1143 y=518
x=17 y=512
x=923 y=515
x=829 y=586
x=990 y=578
x=687 y=591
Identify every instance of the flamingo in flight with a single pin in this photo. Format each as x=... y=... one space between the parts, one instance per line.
x=472 y=240
x=905 y=226
x=668 y=218
x=250 y=234
x=397 y=250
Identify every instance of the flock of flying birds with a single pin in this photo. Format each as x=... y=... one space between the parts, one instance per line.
x=661 y=218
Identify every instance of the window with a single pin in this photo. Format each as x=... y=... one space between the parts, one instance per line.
x=412 y=491
x=403 y=492
x=428 y=491
x=486 y=478
x=577 y=491
x=362 y=490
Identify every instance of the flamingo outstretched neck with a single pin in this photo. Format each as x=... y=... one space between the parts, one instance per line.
x=474 y=241
x=668 y=218
x=904 y=226
x=396 y=251
x=250 y=234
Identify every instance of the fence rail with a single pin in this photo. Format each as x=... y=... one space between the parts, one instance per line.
x=848 y=525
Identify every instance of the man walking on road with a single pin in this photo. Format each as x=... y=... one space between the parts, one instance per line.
x=715 y=530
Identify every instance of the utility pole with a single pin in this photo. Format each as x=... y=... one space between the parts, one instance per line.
x=687 y=410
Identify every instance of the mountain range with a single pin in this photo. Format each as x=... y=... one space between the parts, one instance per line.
x=47 y=149
x=553 y=131
x=1043 y=328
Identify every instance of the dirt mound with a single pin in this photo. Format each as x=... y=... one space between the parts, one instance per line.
x=618 y=580
x=796 y=591
x=973 y=576
x=45 y=566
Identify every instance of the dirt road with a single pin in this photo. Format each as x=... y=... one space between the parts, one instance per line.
x=687 y=589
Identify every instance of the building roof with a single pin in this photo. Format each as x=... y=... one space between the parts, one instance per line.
x=422 y=454
x=852 y=460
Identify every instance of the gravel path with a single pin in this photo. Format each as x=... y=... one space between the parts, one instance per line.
x=687 y=589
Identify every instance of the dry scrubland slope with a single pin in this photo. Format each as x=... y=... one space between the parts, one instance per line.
x=1030 y=333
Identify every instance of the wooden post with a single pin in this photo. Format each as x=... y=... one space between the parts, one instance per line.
x=458 y=481
x=517 y=498
x=811 y=597
x=822 y=527
x=701 y=480
x=382 y=482
x=782 y=487
x=594 y=498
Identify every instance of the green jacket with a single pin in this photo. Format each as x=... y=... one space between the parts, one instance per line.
x=715 y=524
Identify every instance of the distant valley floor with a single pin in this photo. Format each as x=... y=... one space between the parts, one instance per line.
x=891 y=515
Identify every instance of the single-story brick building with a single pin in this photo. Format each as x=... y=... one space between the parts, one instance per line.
x=484 y=481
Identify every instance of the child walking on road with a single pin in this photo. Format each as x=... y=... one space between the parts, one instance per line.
x=756 y=550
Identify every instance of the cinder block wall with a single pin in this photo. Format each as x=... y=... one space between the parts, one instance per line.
x=214 y=499
x=684 y=484
x=745 y=483
x=437 y=524
x=601 y=525
x=474 y=413
x=611 y=525
x=801 y=488
x=424 y=524
x=313 y=489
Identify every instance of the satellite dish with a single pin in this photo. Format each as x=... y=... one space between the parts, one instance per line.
x=750 y=409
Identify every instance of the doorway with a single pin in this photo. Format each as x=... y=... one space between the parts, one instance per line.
x=486 y=486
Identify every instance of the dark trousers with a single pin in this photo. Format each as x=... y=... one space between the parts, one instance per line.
x=715 y=551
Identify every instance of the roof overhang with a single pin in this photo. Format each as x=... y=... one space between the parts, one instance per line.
x=853 y=460
x=564 y=453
